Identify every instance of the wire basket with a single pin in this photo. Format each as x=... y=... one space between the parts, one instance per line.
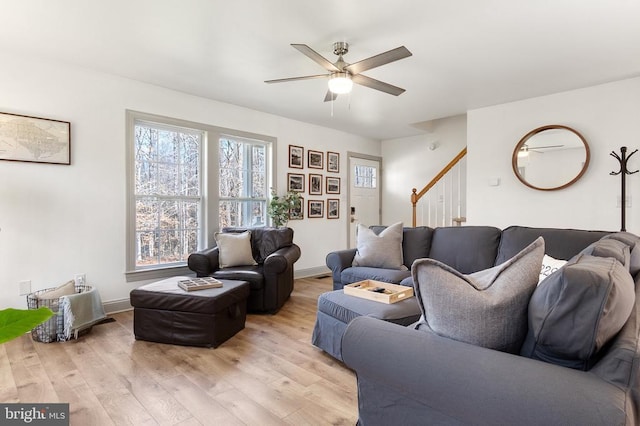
x=51 y=330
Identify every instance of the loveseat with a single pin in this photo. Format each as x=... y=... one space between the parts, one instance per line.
x=413 y=375
x=269 y=270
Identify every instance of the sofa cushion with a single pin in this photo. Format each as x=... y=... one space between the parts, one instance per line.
x=574 y=312
x=234 y=249
x=609 y=247
x=345 y=308
x=633 y=241
x=559 y=243
x=466 y=249
x=360 y=273
x=379 y=251
x=416 y=242
x=487 y=308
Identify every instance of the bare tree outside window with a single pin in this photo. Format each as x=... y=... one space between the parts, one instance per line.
x=243 y=183
x=167 y=193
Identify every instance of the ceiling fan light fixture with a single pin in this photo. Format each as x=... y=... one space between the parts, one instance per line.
x=523 y=152
x=340 y=83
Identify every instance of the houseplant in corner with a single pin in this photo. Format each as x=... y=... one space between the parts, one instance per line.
x=280 y=205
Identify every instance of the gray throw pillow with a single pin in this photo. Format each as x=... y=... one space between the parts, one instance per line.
x=633 y=241
x=577 y=310
x=487 y=308
x=610 y=247
x=379 y=251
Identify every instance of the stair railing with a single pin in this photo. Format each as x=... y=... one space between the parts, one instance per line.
x=444 y=197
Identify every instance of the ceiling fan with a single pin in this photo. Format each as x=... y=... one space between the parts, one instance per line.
x=342 y=75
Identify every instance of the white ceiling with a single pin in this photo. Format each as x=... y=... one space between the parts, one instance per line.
x=466 y=53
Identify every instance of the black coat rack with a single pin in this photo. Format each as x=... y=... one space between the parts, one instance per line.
x=623 y=172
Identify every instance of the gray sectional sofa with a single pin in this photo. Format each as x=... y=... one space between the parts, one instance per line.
x=415 y=376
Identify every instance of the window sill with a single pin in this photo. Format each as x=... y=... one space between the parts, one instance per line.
x=163 y=272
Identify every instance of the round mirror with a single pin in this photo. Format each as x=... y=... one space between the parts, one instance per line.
x=550 y=157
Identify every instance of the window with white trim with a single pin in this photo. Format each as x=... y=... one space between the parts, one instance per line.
x=366 y=177
x=242 y=183
x=167 y=192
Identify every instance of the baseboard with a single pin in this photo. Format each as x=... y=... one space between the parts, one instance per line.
x=312 y=272
x=115 y=306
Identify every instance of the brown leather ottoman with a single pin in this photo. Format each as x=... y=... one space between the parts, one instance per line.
x=164 y=313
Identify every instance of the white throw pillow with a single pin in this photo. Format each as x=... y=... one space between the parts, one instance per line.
x=549 y=266
x=63 y=290
x=234 y=249
x=379 y=251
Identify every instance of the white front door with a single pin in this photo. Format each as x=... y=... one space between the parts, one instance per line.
x=364 y=194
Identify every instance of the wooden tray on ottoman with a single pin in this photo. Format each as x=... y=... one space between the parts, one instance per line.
x=392 y=292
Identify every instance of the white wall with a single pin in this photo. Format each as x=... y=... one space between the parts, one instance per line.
x=409 y=163
x=57 y=220
x=606 y=115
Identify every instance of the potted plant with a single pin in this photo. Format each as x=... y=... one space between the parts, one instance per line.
x=279 y=206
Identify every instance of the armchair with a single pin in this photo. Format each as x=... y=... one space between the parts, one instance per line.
x=271 y=280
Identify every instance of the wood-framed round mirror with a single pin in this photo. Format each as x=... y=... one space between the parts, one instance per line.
x=550 y=157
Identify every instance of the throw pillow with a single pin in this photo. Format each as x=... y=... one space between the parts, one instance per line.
x=487 y=308
x=379 y=251
x=609 y=247
x=549 y=266
x=632 y=241
x=575 y=312
x=55 y=293
x=234 y=249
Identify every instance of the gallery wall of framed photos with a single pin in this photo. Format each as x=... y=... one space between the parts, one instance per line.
x=320 y=180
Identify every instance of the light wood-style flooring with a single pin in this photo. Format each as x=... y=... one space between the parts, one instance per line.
x=268 y=374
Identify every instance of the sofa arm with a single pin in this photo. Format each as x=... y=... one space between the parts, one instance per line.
x=406 y=376
x=338 y=261
x=278 y=261
x=204 y=262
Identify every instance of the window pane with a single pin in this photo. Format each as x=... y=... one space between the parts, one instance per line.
x=146 y=248
x=146 y=215
x=167 y=168
x=242 y=213
x=366 y=177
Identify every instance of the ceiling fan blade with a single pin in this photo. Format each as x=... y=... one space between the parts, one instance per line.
x=330 y=96
x=315 y=56
x=546 y=147
x=306 y=77
x=378 y=60
x=377 y=84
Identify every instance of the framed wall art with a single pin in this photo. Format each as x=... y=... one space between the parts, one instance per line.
x=315 y=209
x=315 y=159
x=333 y=208
x=34 y=140
x=315 y=184
x=333 y=185
x=297 y=212
x=295 y=182
x=296 y=157
x=333 y=162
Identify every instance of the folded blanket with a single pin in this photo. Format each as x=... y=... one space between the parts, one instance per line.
x=81 y=310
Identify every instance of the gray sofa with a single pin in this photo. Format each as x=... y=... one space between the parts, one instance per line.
x=416 y=377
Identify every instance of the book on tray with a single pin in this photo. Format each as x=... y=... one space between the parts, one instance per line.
x=193 y=284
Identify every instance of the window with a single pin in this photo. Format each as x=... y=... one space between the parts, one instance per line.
x=185 y=181
x=242 y=183
x=366 y=177
x=167 y=191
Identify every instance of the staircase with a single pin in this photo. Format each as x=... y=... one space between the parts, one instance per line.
x=442 y=202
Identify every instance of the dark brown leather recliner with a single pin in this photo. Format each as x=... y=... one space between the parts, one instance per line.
x=271 y=280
